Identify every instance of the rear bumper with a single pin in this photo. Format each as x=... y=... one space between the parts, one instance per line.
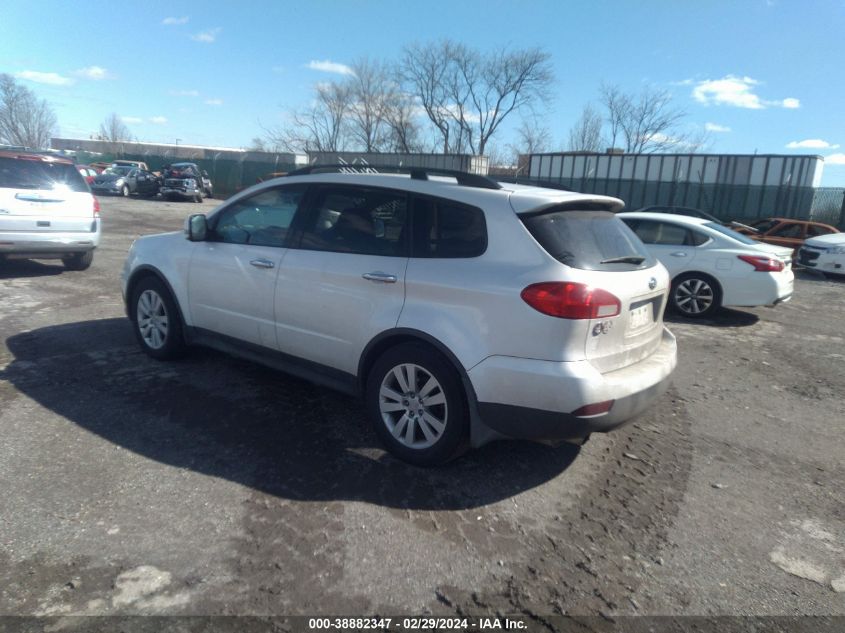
x=33 y=244
x=535 y=399
x=759 y=289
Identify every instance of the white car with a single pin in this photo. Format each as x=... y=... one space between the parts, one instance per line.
x=459 y=309
x=47 y=210
x=825 y=253
x=713 y=266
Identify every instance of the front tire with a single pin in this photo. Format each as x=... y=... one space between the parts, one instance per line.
x=417 y=406
x=695 y=295
x=156 y=321
x=78 y=261
x=124 y=191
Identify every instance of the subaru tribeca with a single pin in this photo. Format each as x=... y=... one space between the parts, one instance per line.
x=460 y=309
x=46 y=210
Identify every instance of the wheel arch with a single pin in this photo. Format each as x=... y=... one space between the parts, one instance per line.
x=142 y=272
x=699 y=273
x=390 y=338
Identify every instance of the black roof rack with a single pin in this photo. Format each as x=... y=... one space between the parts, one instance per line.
x=417 y=173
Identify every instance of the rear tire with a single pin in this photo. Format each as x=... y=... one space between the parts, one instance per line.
x=78 y=261
x=695 y=295
x=416 y=403
x=156 y=321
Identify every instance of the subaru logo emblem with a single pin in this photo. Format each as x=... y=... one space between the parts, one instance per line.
x=652 y=283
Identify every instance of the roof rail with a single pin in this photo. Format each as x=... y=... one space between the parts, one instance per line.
x=417 y=173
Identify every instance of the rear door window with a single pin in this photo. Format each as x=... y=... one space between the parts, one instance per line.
x=22 y=173
x=589 y=240
x=446 y=229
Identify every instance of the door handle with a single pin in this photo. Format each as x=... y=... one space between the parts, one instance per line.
x=262 y=263
x=380 y=277
x=678 y=254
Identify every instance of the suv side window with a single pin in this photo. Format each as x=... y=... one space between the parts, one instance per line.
x=260 y=220
x=446 y=229
x=360 y=220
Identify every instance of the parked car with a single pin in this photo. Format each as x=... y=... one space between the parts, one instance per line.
x=100 y=167
x=123 y=180
x=688 y=211
x=130 y=163
x=825 y=253
x=46 y=210
x=460 y=310
x=713 y=266
x=88 y=172
x=784 y=231
x=186 y=180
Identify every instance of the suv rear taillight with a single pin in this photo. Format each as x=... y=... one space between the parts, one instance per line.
x=762 y=263
x=96 y=207
x=569 y=300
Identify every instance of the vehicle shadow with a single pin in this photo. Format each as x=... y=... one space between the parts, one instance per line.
x=15 y=268
x=725 y=317
x=242 y=422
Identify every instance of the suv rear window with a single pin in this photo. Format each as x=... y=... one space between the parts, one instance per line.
x=589 y=240
x=23 y=173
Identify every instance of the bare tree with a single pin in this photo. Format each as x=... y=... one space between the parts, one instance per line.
x=467 y=94
x=532 y=137
x=585 y=135
x=404 y=131
x=113 y=129
x=371 y=92
x=426 y=70
x=322 y=127
x=647 y=122
x=24 y=118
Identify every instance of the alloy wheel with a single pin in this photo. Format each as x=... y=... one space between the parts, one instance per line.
x=413 y=406
x=152 y=319
x=694 y=296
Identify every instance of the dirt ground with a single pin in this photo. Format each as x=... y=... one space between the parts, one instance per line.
x=216 y=486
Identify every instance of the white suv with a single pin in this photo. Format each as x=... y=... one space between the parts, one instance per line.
x=460 y=309
x=46 y=210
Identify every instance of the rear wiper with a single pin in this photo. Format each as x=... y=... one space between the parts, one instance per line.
x=627 y=259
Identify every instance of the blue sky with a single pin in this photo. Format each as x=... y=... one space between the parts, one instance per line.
x=762 y=75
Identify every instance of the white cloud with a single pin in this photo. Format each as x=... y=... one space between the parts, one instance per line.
x=53 y=79
x=327 y=66
x=96 y=73
x=206 y=36
x=715 y=127
x=214 y=102
x=158 y=120
x=811 y=143
x=173 y=21
x=185 y=93
x=131 y=119
x=835 y=159
x=738 y=92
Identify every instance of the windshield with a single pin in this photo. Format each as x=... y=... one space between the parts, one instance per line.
x=20 y=173
x=590 y=240
x=739 y=237
x=118 y=171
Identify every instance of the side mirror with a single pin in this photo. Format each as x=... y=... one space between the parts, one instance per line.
x=196 y=227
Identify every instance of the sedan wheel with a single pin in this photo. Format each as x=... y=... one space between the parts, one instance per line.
x=124 y=191
x=695 y=296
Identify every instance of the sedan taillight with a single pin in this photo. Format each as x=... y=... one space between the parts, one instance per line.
x=569 y=300
x=763 y=263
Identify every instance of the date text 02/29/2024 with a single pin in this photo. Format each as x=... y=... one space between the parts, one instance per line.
x=416 y=624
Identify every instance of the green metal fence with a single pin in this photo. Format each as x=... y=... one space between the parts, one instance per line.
x=726 y=202
x=227 y=175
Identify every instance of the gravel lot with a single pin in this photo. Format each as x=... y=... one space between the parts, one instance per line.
x=215 y=486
